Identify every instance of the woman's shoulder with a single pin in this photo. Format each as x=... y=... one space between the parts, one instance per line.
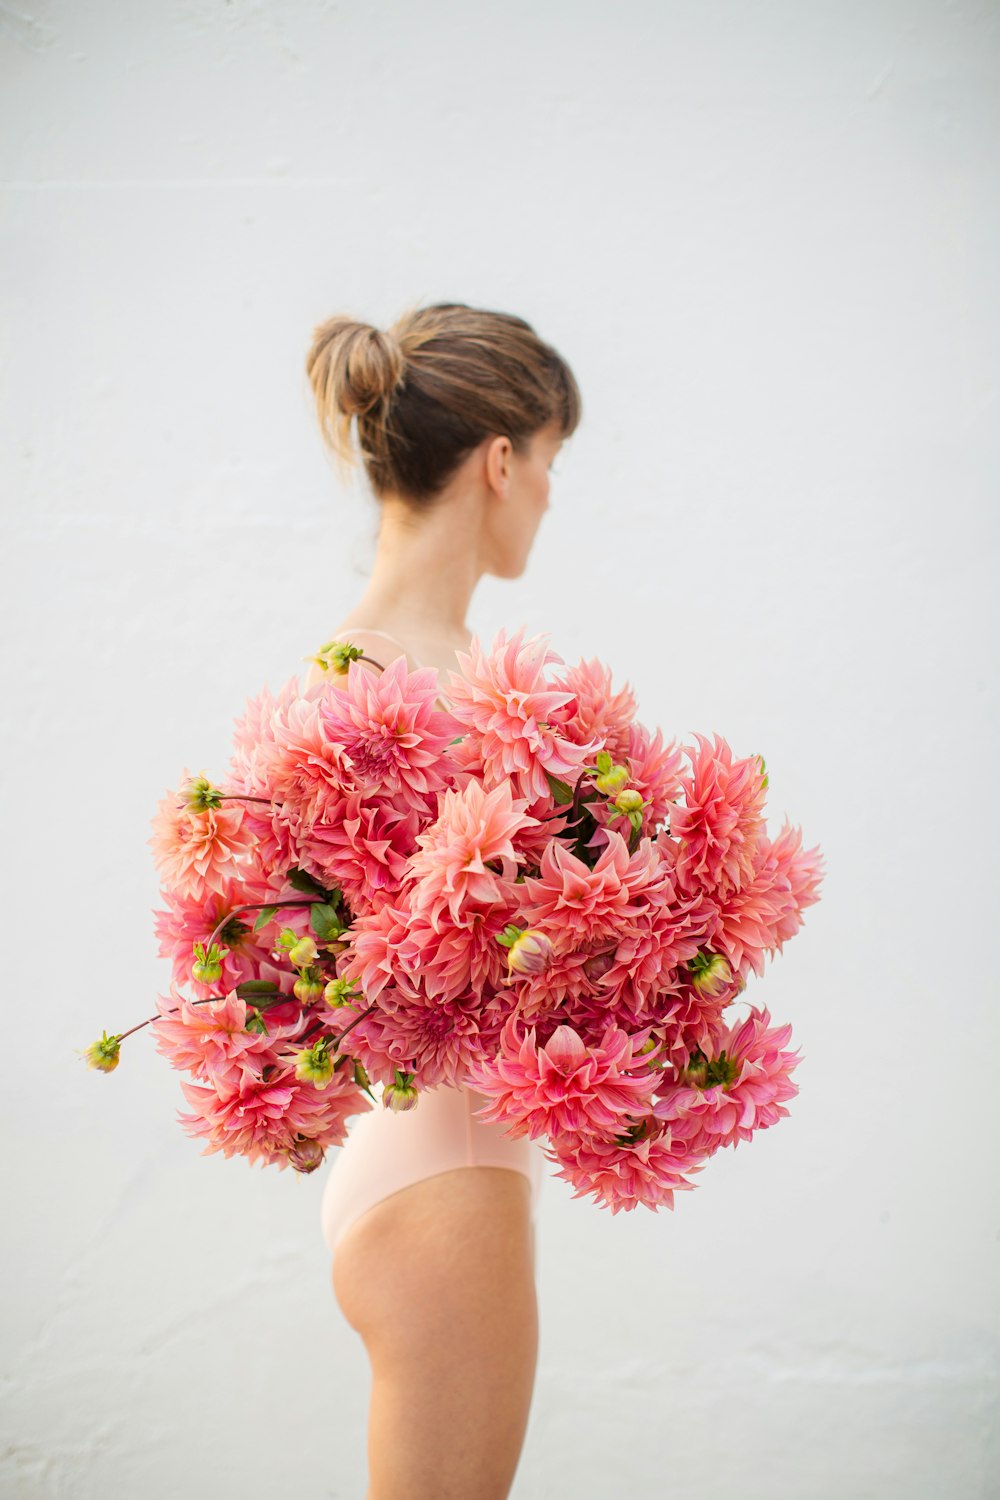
x=378 y=646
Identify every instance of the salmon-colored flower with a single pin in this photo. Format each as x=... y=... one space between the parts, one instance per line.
x=565 y=1084
x=265 y=1120
x=622 y=1175
x=210 y=1039
x=598 y=714
x=721 y=821
x=390 y=728
x=741 y=1088
x=197 y=852
x=513 y=717
x=467 y=853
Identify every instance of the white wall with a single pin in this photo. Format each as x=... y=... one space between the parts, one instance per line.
x=766 y=238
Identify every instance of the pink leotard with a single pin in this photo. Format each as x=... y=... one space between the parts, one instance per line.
x=385 y=1152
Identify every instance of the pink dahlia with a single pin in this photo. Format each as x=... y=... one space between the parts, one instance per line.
x=719 y=827
x=513 y=717
x=598 y=715
x=565 y=1085
x=250 y=772
x=437 y=1040
x=654 y=771
x=803 y=870
x=467 y=855
x=575 y=903
x=424 y=959
x=390 y=728
x=668 y=930
x=209 y=1039
x=723 y=1099
x=363 y=847
x=183 y=922
x=756 y=919
x=621 y=1175
x=305 y=773
x=273 y=1122
x=197 y=851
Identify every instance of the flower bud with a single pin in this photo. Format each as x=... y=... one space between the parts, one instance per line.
x=336 y=657
x=339 y=992
x=104 y=1054
x=308 y=986
x=314 y=1064
x=199 y=794
x=302 y=952
x=629 y=800
x=305 y=1156
x=401 y=1093
x=612 y=781
x=207 y=967
x=530 y=952
x=710 y=974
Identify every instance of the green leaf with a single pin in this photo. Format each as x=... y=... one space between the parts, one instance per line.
x=300 y=880
x=256 y=987
x=324 y=921
x=264 y=916
x=561 y=790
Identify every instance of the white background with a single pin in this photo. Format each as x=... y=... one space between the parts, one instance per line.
x=765 y=236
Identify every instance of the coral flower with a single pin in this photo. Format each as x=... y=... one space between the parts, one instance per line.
x=513 y=717
x=390 y=728
x=722 y=1100
x=598 y=714
x=209 y=1039
x=267 y=1121
x=621 y=1176
x=363 y=847
x=759 y=917
x=474 y=832
x=579 y=903
x=195 y=851
x=565 y=1085
x=721 y=822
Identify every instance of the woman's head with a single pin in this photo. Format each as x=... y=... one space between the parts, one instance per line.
x=449 y=398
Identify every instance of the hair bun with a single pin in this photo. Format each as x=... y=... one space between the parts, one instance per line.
x=353 y=366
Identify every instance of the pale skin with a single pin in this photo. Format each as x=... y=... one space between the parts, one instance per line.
x=438 y=1278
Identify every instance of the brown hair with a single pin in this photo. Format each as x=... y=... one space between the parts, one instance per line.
x=426 y=391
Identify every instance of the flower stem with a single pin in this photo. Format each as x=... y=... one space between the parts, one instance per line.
x=260 y=995
x=258 y=906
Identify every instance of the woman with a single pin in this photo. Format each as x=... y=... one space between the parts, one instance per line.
x=429 y=1213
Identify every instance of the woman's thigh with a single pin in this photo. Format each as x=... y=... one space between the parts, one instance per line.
x=438 y=1279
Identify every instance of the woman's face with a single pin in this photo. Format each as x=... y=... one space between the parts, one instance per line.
x=518 y=498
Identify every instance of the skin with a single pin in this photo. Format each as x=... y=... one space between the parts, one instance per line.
x=438 y=1278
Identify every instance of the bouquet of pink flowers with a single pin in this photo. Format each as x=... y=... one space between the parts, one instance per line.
x=526 y=892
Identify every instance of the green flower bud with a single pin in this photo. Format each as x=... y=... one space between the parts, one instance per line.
x=314 y=1064
x=340 y=992
x=207 y=967
x=302 y=952
x=104 y=1054
x=199 y=794
x=612 y=781
x=401 y=1093
x=308 y=986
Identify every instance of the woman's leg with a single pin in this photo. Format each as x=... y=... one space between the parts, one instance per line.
x=438 y=1279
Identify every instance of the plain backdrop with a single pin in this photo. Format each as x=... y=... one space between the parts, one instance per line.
x=765 y=236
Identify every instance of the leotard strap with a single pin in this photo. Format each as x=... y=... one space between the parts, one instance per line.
x=370 y=630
